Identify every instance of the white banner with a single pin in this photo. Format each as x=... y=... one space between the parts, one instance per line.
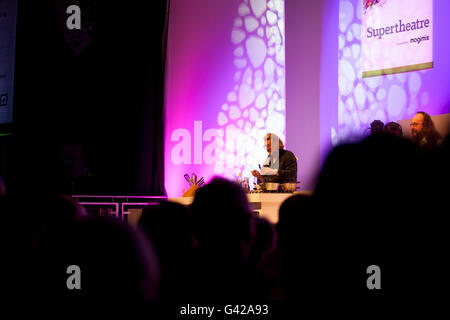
x=397 y=36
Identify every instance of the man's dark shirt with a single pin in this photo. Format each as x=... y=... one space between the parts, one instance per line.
x=430 y=142
x=287 y=167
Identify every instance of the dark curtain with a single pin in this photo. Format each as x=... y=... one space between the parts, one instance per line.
x=151 y=178
x=99 y=109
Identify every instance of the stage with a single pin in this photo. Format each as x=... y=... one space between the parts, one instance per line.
x=130 y=208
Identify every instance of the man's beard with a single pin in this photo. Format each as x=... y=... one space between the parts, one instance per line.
x=417 y=136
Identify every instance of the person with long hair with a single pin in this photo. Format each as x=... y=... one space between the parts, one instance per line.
x=423 y=131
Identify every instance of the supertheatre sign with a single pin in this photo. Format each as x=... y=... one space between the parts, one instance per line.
x=397 y=28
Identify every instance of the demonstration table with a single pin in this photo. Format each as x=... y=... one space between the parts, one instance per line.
x=266 y=204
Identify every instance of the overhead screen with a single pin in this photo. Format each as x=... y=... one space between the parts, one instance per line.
x=8 y=15
x=397 y=36
x=392 y=62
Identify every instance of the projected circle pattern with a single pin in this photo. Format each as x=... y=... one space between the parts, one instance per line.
x=360 y=101
x=256 y=103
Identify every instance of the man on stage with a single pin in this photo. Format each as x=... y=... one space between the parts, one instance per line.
x=280 y=165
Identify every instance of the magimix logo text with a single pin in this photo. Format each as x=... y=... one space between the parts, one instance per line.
x=418 y=40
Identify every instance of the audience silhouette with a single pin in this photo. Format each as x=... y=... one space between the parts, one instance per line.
x=169 y=227
x=380 y=201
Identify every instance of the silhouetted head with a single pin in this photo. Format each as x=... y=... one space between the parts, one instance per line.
x=44 y=219
x=393 y=128
x=375 y=169
x=295 y=219
x=222 y=219
x=265 y=239
x=376 y=127
x=60 y=213
x=169 y=226
x=115 y=260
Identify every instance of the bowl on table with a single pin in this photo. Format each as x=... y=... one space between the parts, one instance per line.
x=289 y=186
x=270 y=186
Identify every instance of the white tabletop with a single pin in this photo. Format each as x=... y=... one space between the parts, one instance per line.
x=270 y=202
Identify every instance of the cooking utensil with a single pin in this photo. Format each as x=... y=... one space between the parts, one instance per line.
x=270 y=186
x=200 y=181
x=289 y=186
x=194 y=178
x=186 y=176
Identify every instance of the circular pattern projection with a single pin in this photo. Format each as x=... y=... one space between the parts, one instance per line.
x=256 y=103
